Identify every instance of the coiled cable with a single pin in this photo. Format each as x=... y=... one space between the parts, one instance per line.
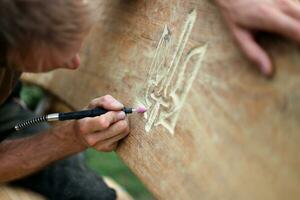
x=30 y=122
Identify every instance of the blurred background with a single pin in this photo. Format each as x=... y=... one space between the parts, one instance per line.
x=105 y=164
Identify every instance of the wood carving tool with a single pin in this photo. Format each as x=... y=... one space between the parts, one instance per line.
x=65 y=116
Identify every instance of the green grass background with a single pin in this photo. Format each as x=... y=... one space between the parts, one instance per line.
x=109 y=164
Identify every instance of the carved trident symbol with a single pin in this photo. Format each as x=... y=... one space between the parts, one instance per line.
x=169 y=83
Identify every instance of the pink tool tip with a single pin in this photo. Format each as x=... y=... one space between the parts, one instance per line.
x=141 y=109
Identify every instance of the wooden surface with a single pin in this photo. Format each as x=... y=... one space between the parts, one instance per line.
x=215 y=129
x=12 y=193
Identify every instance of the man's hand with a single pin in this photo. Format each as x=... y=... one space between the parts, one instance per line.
x=103 y=132
x=24 y=156
x=244 y=17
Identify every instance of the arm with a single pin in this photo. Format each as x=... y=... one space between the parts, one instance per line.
x=22 y=157
x=244 y=17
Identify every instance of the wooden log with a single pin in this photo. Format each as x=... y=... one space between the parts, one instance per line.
x=215 y=128
x=14 y=193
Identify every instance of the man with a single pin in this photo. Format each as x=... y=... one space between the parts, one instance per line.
x=40 y=36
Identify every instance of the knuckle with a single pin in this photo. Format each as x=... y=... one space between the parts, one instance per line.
x=91 y=141
x=123 y=126
x=103 y=122
x=82 y=128
x=107 y=98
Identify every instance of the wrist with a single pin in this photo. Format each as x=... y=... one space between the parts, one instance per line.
x=67 y=134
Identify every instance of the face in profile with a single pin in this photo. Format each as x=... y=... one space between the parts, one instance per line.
x=53 y=41
x=44 y=59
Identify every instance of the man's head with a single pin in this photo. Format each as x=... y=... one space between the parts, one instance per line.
x=39 y=35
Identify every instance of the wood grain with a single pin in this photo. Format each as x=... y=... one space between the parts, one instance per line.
x=237 y=134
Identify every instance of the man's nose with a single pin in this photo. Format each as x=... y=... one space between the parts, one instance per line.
x=74 y=63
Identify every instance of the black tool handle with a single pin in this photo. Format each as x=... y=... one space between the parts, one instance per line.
x=82 y=114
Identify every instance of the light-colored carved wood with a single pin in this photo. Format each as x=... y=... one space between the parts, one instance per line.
x=122 y=194
x=216 y=129
x=12 y=193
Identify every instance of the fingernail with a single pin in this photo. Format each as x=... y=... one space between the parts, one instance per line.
x=121 y=115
